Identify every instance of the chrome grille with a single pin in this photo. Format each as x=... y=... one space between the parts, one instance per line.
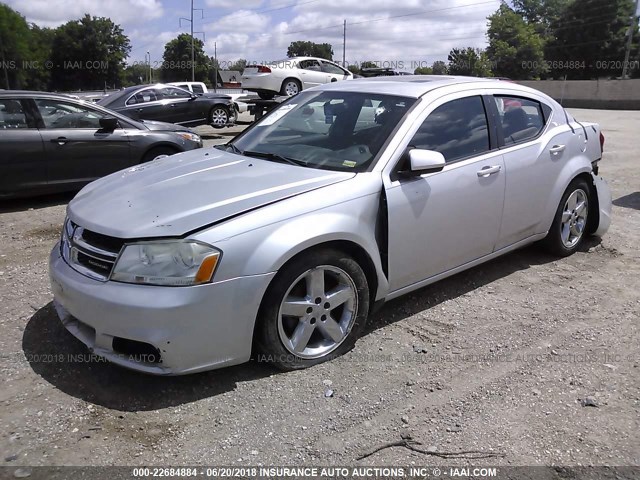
x=89 y=253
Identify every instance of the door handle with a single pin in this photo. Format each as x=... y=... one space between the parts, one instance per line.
x=172 y=105
x=557 y=149
x=486 y=171
x=59 y=140
x=140 y=110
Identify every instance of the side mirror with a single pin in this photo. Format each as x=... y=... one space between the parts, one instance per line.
x=108 y=124
x=193 y=97
x=425 y=161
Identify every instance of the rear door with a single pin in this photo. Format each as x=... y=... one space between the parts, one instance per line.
x=77 y=149
x=531 y=166
x=22 y=162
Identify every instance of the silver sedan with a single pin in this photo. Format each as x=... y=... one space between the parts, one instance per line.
x=281 y=242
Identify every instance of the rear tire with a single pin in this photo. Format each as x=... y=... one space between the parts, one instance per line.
x=290 y=87
x=313 y=311
x=569 y=225
x=157 y=153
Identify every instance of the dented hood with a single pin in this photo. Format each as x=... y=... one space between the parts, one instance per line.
x=188 y=191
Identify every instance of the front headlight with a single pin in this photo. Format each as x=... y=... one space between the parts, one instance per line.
x=190 y=136
x=170 y=263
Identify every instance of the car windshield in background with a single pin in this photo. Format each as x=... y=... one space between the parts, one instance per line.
x=329 y=130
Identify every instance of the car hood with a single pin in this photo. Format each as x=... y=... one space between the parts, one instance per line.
x=188 y=191
x=163 y=126
x=215 y=95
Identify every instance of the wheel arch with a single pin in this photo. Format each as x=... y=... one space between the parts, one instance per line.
x=286 y=79
x=159 y=145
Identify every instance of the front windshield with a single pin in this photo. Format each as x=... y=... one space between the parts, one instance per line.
x=330 y=130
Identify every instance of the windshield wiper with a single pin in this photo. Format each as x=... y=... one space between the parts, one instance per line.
x=275 y=157
x=227 y=146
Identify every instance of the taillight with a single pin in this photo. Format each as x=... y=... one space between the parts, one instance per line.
x=601 y=143
x=263 y=69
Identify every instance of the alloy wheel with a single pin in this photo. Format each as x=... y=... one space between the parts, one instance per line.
x=574 y=218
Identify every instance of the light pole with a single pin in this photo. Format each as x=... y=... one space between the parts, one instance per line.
x=149 y=54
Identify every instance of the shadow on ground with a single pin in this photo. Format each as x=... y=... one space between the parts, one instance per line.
x=63 y=361
x=629 y=201
x=22 y=204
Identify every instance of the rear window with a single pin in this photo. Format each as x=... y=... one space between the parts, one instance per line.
x=12 y=114
x=197 y=88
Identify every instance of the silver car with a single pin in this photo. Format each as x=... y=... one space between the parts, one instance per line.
x=349 y=194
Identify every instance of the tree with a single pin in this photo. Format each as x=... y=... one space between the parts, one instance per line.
x=515 y=48
x=239 y=65
x=367 y=64
x=40 y=40
x=472 y=62
x=354 y=69
x=14 y=47
x=590 y=41
x=540 y=13
x=88 y=53
x=423 y=71
x=177 y=60
x=136 y=74
x=301 y=48
x=439 y=67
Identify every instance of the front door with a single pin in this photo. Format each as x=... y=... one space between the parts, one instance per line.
x=442 y=220
x=77 y=149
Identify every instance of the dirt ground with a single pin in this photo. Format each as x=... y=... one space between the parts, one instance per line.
x=500 y=359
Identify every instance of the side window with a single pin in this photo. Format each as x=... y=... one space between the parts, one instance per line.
x=12 y=114
x=172 y=93
x=197 y=88
x=144 y=96
x=58 y=114
x=312 y=65
x=331 y=68
x=522 y=119
x=457 y=129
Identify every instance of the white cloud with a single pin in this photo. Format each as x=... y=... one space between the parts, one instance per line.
x=51 y=14
x=234 y=3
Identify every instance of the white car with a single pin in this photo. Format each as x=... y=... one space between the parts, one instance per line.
x=290 y=76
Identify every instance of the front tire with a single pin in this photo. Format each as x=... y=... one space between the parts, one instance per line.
x=314 y=310
x=158 y=153
x=219 y=117
x=569 y=225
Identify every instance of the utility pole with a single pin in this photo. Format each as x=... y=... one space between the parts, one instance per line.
x=632 y=26
x=215 y=64
x=149 y=54
x=190 y=20
x=344 y=43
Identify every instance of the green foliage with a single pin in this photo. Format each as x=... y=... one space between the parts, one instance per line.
x=472 y=62
x=593 y=35
x=14 y=47
x=238 y=66
x=515 y=48
x=302 y=48
x=354 y=69
x=540 y=13
x=423 y=71
x=88 y=53
x=176 y=66
x=137 y=74
x=38 y=77
x=439 y=68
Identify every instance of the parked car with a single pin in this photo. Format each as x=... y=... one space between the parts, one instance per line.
x=382 y=72
x=53 y=143
x=290 y=76
x=199 y=88
x=168 y=103
x=344 y=197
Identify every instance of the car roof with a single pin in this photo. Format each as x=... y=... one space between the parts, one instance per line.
x=31 y=93
x=415 y=85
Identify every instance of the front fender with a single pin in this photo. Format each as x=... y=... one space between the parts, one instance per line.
x=268 y=248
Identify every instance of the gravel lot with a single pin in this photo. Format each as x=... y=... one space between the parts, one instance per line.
x=500 y=359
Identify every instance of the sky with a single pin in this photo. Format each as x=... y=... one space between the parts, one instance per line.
x=401 y=34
